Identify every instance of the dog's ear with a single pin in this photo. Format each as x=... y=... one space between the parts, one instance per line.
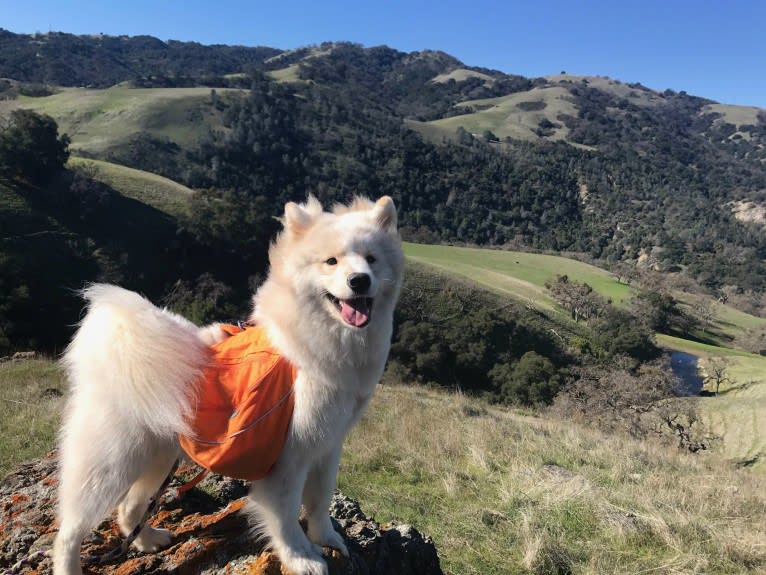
x=298 y=217
x=384 y=213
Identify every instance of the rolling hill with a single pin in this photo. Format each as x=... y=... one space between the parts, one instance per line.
x=734 y=416
x=100 y=121
x=565 y=163
x=158 y=192
x=561 y=164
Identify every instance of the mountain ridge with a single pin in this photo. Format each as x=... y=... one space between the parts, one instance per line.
x=589 y=165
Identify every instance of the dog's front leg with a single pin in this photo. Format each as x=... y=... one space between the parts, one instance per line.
x=317 y=494
x=277 y=499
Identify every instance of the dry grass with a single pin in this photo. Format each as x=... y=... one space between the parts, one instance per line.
x=505 y=493
x=30 y=410
x=502 y=492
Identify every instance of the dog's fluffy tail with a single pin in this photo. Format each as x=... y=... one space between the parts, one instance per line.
x=132 y=358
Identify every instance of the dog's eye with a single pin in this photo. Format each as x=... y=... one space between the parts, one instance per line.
x=331 y=261
x=370 y=259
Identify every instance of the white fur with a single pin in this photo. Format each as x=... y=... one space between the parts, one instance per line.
x=133 y=369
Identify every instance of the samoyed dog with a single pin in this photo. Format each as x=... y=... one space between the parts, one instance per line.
x=327 y=306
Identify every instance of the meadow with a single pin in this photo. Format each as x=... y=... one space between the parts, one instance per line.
x=501 y=492
x=30 y=409
x=100 y=120
x=521 y=275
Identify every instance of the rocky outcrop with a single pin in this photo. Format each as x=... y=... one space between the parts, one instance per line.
x=210 y=536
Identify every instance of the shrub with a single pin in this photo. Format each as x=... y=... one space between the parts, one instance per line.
x=31 y=148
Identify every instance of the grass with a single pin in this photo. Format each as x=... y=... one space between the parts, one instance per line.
x=736 y=414
x=30 y=409
x=461 y=75
x=504 y=118
x=97 y=120
x=737 y=115
x=501 y=492
x=517 y=274
x=156 y=191
x=288 y=74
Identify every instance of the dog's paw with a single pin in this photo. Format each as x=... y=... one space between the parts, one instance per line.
x=151 y=539
x=335 y=540
x=326 y=536
x=305 y=565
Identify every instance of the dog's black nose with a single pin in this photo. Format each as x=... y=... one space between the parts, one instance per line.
x=360 y=283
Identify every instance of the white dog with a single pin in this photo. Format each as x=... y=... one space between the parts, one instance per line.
x=327 y=306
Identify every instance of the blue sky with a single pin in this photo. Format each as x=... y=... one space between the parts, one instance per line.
x=710 y=48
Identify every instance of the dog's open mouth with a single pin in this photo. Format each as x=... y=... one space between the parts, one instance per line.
x=355 y=312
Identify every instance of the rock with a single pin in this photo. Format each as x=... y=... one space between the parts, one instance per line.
x=210 y=536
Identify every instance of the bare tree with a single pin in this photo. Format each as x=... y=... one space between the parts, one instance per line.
x=706 y=312
x=717 y=373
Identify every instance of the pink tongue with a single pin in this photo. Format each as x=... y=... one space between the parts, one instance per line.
x=355 y=312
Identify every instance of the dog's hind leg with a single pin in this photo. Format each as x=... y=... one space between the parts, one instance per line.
x=135 y=503
x=90 y=486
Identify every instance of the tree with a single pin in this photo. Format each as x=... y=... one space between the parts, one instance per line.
x=657 y=309
x=717 y=373
x=578 y=299
x=533 y=380
x=706 y=313
x=31 y=148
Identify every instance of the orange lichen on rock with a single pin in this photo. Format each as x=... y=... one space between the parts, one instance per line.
x=209 y=534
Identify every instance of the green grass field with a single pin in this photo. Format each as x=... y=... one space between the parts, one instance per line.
x=517 y=274
x=98 y=120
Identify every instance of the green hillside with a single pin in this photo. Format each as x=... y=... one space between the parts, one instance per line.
x=101 y=120
x=734 y=417
x=523 y=275
x=515 y=116
x=518 y=274
x=159 y=192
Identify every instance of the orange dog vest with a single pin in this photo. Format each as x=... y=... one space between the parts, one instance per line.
x=244 y=406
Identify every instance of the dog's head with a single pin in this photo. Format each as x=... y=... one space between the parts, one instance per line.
x=347 y=263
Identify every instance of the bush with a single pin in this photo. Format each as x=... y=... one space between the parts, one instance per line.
x=31 y=148
x=532 y=380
